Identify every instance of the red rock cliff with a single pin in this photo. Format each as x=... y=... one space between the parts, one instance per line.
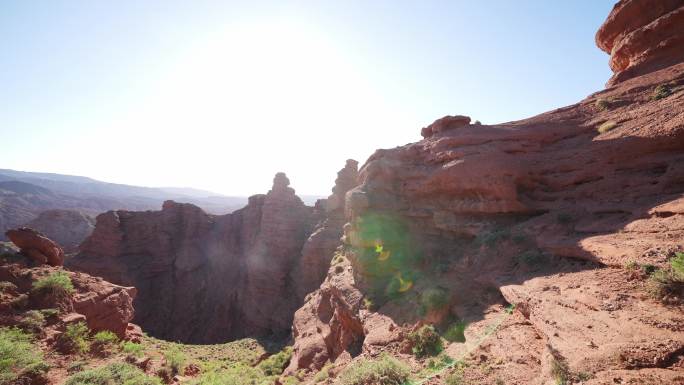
x=642 y=36
x=207 y=278
x=543 y=213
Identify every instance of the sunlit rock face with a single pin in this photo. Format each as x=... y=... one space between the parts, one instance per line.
x=206 y=278
x=542 y=213
x=642 y=36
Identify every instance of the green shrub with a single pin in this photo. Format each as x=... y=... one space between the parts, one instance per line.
x=175 y=360
x=384 y=370
x=662 y=91
x=668 y=282
x=76 y=367
x=603 y=104
x=132 y=348
x=49 y=314
x=455 y=332
x=57 y=283
x=105 y=337
x=560 y=371
x=75 y=338
x=677 y=264
x=113 y=374
x=433 y=299
x=648 y=269
x=33 y=321
x=234 y=374
x=19 y=357
x=632 y=266
x=606 y=126
x=426 y=342
x=275 y=364
x=104 y=342
x=323 y=374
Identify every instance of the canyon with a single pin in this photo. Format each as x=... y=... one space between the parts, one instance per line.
x=539 y=240
x=212 y=278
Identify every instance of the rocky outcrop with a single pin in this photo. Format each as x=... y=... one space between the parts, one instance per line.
x=544 y=214
x=67 y=227
x=325 y=238
x=36 y=246
x=208 y=278
x=444 y=124
x=100 y=304
x=642 y=36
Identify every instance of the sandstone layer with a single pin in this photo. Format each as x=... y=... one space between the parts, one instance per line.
x=553 y=215
x=641 y=36
x=36 y=246
x=208 y=278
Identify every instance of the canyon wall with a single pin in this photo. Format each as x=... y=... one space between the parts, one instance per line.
x=642 y=36
x=549 y=214
x=211 y=278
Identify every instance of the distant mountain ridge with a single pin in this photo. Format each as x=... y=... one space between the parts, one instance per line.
x=25 y=195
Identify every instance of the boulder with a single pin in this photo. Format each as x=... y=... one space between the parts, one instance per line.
x=443 y=124
x=36 y=246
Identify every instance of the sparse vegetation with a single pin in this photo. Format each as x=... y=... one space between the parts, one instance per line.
x=113 y=374
x=560 y=371
x=132 y=348
x=606 y=126
x=75 y=338
x=455 y=378
x=49 y=314
x=662 y=91
x=57 y=283
x=175 y=360
x=19 y=357
x=603 y=104
x=275 y=364
x=33 y=321
x=455 y=332
x=433 y=299
x=384 y=370
x=105 y=337
x=104 y=342
x=426 y=342
x=368 y=304
x=323 y=374
x=666 y=284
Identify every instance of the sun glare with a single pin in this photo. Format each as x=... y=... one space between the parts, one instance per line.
x=259 y=86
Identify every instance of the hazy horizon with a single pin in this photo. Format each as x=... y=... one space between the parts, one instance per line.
x=220 y=96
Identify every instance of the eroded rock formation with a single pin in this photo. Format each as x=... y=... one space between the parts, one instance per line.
x=100 y=304
x=36 y=246
x=641 y=36
x=208 y=278
x=544 y=214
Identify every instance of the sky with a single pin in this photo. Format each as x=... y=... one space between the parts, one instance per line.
x=221 y=95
